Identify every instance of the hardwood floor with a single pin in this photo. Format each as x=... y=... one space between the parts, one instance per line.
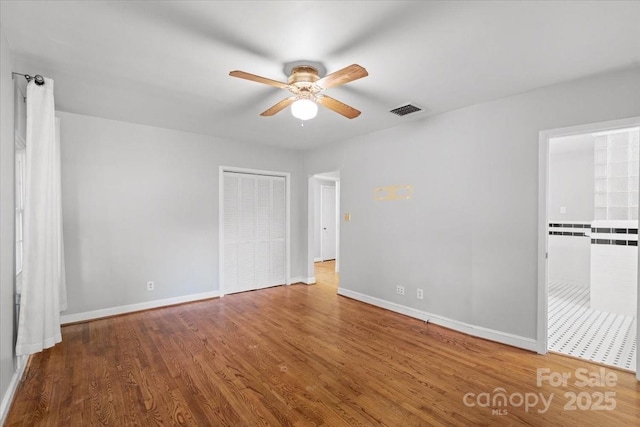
x=299 y=355
x=326 y=275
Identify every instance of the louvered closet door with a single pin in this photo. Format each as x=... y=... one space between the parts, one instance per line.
x=254 y=231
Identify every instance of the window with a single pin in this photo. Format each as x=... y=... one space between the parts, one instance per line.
x=19 y=197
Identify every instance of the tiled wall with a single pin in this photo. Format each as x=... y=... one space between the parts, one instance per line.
x=570 y=253
x=614 y=266
x=612 y=235
x=601 y=255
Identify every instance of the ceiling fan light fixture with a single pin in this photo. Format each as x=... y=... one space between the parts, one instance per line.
x=307 y=89
x=304 y=109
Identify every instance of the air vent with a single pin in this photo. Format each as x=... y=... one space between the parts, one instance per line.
x=405 y=109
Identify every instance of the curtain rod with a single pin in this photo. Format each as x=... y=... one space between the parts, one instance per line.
x=38 y=79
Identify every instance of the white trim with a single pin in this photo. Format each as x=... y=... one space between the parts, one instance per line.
x=543 y=217
x=20 y=142
x=322 y=258
x=310 y=222
x=221 y=230
x=19 y=282
x=7 y=399
x=592 y=127
x=130 y=308
x=473 y=330
x=287 y=181
x=326 y=177
x=310 y=226
x=302 y=279
x=337 y=266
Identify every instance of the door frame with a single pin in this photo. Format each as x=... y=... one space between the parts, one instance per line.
x=543 y=220
x=335 y=190
x=310 y=215
x=287 y=180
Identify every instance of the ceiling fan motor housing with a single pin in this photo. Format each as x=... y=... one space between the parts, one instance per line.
x=303 y=76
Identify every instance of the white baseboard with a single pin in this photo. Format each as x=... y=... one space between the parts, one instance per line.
x=305 y=280
x=11 y=390
x=473 y=330
x=123 y=309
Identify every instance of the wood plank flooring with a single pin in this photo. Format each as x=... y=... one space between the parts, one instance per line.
x=298 y=356
x=325 y=273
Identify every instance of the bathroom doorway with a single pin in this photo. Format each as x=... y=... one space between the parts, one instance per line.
x=591 y=240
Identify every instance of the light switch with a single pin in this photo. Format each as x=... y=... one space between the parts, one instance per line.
x=563 y=210
x=347 y=217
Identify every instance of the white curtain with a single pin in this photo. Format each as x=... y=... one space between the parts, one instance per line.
x=43 y=293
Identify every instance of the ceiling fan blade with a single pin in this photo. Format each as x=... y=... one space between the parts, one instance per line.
x=337 y=106
x=279 y=106
x=340 y=77
x=259 y=79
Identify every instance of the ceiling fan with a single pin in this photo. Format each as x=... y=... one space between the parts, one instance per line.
x=307 y=90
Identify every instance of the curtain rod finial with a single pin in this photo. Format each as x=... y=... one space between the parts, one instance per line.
x=39 y=80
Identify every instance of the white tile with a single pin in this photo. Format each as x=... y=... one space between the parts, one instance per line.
x=577 y=330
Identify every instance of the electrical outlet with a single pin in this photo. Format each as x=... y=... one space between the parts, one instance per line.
x=400 y=290
x=420 y=294
x=151 y=286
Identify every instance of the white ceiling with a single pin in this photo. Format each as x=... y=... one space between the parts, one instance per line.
x=166 y=63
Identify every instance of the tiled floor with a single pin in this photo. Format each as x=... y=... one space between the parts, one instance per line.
x=577 y=330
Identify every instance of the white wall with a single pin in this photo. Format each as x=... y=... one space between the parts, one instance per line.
x=469 y=235
x=571 y=186
x=317 y=216
x=571 y=178
x=140 y=203
x=569 y=260
x=7 y=210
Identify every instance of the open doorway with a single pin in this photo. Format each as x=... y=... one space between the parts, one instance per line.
x=324 y=227
x=591 y=243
